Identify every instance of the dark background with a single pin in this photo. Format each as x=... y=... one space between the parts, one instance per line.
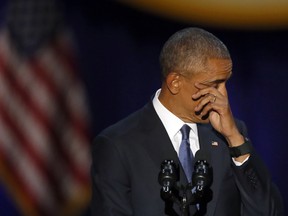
x=118 y=48
x=118 y=54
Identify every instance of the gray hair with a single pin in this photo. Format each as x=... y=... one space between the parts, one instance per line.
x=188 y=50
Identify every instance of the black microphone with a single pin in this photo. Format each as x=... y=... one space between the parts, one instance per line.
x=168 y=175
x=167 y=178
x=202 y=174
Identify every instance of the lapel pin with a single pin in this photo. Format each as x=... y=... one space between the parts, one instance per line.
x=214 y=143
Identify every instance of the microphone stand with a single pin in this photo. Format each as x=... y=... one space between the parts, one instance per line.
x=183 y=200
x=168 y=179
x=184 y=203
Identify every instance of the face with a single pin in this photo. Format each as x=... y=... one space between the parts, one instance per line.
x=215 y=75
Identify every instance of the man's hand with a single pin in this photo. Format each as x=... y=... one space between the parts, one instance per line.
x=213 y=103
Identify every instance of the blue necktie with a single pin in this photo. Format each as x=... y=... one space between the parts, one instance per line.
x=185 y=153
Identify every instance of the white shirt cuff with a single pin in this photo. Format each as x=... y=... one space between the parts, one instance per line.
x=237 y=163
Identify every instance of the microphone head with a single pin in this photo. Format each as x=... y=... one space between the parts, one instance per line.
x=202 y=174
x=202 y=155
x=168 y=173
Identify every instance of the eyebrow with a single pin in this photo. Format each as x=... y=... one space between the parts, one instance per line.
x=218 y=81
x=214 y=81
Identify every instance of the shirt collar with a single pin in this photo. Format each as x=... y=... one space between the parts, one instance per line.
x=170 y=121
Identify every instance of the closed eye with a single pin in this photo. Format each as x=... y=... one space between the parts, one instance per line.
x=214 y=84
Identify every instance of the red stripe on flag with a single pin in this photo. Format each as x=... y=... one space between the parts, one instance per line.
x=69 y=118
x=60 y=167
x=42 y=167
x=43 y=120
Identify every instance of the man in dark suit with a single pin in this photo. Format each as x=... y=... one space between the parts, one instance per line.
x=127 y=156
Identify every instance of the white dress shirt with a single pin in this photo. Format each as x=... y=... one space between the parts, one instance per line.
x=173 y=125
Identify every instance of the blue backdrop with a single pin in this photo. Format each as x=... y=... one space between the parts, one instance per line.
x=118 y=51
x=119 y=47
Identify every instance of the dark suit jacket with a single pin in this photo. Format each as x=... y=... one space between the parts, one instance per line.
x=126 y=163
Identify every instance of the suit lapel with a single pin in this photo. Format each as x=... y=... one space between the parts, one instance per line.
x=159 y=148
x=214 y=145
x=157 y=141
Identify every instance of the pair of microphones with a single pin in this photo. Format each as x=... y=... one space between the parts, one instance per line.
x=201 y=178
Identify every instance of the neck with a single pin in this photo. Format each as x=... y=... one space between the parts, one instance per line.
x=170 y=101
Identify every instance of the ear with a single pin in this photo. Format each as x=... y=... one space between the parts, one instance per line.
x=173 y=82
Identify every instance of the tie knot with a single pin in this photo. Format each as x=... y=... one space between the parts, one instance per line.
x=185 y=130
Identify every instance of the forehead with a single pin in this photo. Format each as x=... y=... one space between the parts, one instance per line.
x=217 y=69
x=218 y=65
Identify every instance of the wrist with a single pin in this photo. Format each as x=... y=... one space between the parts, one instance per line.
x=235 y=140
x=241 y=150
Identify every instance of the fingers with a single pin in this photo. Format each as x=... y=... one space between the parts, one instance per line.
x=207 y=103
x=213 y=104
x=213 y=99
x=205 y=99
x=203 y=91
x=209 y=98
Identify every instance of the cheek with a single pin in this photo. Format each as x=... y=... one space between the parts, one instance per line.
x=191 y=104
x=187 y=100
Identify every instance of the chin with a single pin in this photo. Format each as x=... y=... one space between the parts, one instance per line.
x=202 y=120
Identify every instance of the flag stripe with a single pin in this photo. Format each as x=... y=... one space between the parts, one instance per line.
x=53 y=62
x=65 y=116
x=21 y=196
x=22 y=170
x=35 y=158
x=36 y=111
x=44 y=139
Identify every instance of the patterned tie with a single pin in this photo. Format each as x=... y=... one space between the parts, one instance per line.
x=185 y=153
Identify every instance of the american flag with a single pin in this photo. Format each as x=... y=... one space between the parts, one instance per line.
x=44 y=142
